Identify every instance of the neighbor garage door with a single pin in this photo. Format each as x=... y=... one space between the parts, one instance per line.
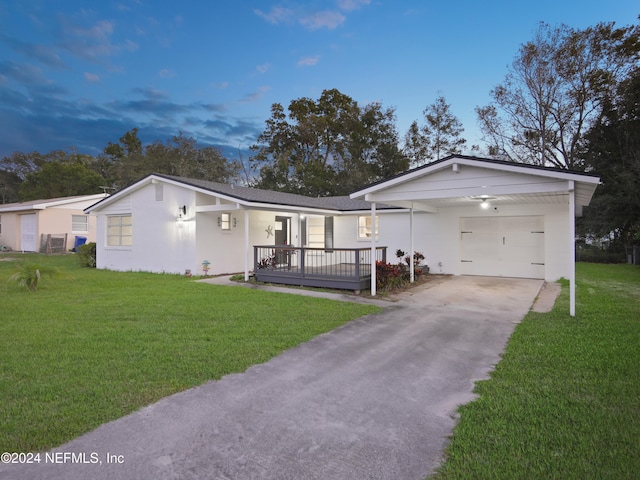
x=502 y=246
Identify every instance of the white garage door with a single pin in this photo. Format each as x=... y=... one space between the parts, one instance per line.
x=502 y=246
x=28 y=233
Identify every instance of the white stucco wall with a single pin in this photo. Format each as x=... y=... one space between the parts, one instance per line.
x=437 y=236
x=160 y=242
x=163 y=244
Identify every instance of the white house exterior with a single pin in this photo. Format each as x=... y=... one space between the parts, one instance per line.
x=526 y=228
x=23 y=225
x=172 y=224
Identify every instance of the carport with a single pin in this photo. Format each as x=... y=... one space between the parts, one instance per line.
x=490 y=217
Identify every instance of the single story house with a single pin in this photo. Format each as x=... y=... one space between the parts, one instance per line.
x=39 y=225
x=467 y=215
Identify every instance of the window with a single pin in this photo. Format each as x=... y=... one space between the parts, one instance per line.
x=319 y=232
x=119 y=230
x=225 y=221
x=80 y=223
x=364 y=227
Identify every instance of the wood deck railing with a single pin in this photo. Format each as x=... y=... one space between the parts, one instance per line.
x=340 y=268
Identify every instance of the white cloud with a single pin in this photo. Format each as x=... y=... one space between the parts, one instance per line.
x=254 y=96
x=326 y=19
x=166 y=73
x=91 y=77
x=308 y=61
x=276 y=15
x=264 y=68
x=349 y=5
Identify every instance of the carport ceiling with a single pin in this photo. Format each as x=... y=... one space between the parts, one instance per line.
x=432 y=204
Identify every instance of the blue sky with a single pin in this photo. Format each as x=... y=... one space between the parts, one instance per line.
x=82 y=73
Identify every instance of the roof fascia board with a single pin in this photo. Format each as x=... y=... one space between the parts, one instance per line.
x=66 y=201
x=508 y=167
x=395 y=197
x=124 y=192
x=45 y=204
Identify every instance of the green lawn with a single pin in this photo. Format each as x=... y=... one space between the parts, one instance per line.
x=93 y=345
x=564 y=402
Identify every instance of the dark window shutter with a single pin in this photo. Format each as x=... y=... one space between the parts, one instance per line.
x=328 y=233
x=303 y=232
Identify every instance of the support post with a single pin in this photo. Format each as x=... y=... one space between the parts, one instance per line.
x=373 y=249
x=411 y=247
x=572 y=256
x=246 y=245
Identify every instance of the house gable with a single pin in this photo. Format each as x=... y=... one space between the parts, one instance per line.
x=457 y=181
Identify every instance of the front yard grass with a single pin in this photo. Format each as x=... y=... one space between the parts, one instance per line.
x=94 y=345
x=564 y=401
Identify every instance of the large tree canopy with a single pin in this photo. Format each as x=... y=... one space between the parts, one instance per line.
x=613 y=152
x=554 y=90
x=331 y=146
x=127 y=161
x=438 y=137
x=59 y=173
x=60 y=179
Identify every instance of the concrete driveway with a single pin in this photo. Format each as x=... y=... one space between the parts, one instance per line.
x=374 y=399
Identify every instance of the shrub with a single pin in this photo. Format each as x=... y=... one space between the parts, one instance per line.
x=87 y=255
x=598 y=255
x=389 y=277
x=268 y=263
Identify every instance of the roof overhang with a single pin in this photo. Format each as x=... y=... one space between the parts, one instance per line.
x=54 y=202
x=533 y=185
x=233 y=202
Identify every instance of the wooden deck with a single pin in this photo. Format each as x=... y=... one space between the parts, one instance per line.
x=339 y=268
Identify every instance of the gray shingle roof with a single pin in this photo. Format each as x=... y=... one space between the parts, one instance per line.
x=256 y=195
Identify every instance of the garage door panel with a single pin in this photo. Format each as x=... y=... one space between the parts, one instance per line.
x=502 y=246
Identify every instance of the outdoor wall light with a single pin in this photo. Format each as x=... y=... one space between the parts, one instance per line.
x=235 y=222
x=484 y=205
x=182 y=212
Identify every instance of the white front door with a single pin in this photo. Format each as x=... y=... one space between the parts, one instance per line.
x=28 y=233
x=502 y=246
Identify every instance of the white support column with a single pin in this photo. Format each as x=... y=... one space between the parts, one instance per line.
x=247 y=247
x=411 y=247
x=572 y=239
x=373 y=249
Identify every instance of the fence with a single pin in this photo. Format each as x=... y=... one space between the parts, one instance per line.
x=341 y=268
x=53 y=243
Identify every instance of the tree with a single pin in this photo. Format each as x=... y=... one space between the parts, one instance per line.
x=123 y=163
x=331 y=146
x=438 y=137
x=553 y=92
x=613 y=152
x=9 y=186
x=60 y=179
x=183 y=157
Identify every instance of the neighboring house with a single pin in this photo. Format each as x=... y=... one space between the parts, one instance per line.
x=171 y=224
x=36 y=225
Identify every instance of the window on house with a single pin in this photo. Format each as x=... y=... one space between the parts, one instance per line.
x=319 y=232
x=119 y=230
x=364 y=227
x=80 y=223
x=225 y=221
